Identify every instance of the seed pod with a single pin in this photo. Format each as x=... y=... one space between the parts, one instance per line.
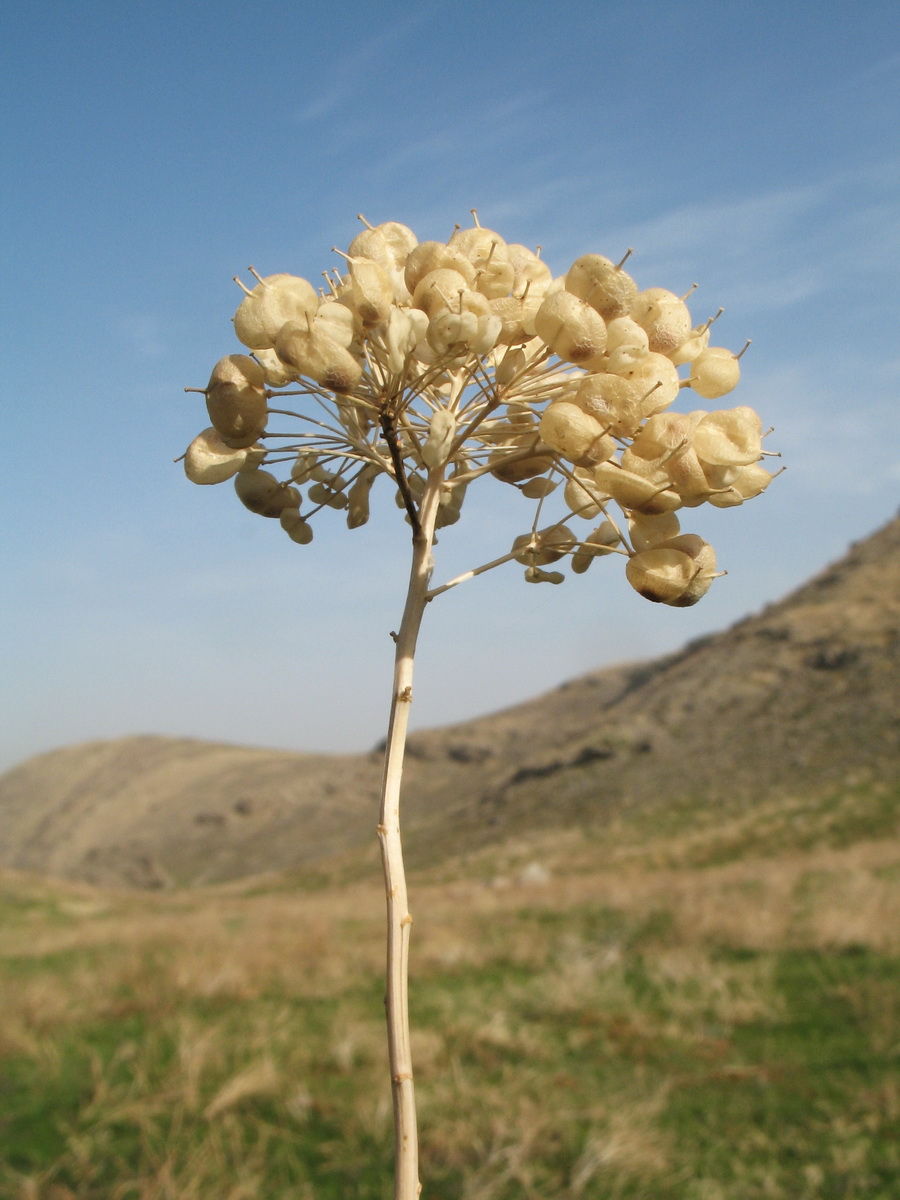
x=536 y=489
x=677 y=572
x=276 y=373
x=536 y=575
x=274 y=301
x=435 y=256
x=571 y=329
x=358 y=498
x=576 y=436
x=633 y=491
x=371 y=292
x=263 y=494
x=236 y=400
x=509 y=366
x=372 y=244
x=665 y=318
x=615 y=402
x=297 y=529
x=314 y=354
x=715 y=372
x=601 y=284
x=439 y=290
x=529 y=269
x=336 y=321
x=658 y=380
x=546 y=546
x=446 y=329
x=208 y=459
x=441 y=432
x=507 y=466
x=601 y=541
x=647 y=531
x=751 y=481
x=583 y=496
x=698 y=340
x=626 y=344
x=731 y=437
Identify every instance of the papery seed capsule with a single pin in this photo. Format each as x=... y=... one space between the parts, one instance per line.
x=358 y=498
x=297 y=529
x=647 y=531
x=277 y=374
x=660 y=575
x=571 y=432
x=633 y=491
x=600 y=283
x=730 y=437
x=400 y=239
x=665 y=434
x=751 y=481
x=322 y=493
x=697 y=341
x=715 y=372
x=435 y=256
x=615 y=402
x=371 y=292
x=510 y=365
x=571 y=329
x=314 y=354
x=479 y=245
x=658 y=379
x=536 y=489
x=529 y=269
x=441 y=432
x=546 y=546
x=209 y=460
x=598 y=543
x=275 y=300
x=439 y=290
x=336 y=321
x=665 y=318
x=263 y=494
x=582 y=495
x=372 y=244
x=236 y=400
x=536 y=575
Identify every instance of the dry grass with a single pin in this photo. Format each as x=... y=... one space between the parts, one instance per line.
x=230 y=1043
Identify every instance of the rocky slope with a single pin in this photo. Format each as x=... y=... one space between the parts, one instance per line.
x=803 y=696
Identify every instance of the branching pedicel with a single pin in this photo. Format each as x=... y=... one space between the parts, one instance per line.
x=434 y=364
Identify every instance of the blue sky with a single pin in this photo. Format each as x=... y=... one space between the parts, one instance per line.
x=154 y=151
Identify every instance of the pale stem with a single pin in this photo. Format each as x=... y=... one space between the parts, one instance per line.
x=399 y=920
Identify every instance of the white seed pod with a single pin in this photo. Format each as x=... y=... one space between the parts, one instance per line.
x=633 y=491
x=358 y=498
x=479 y=245
x=236 y=400
x=582 y=495
x=687 y=476
x=312 y=353
x=649 y=530
x=441 y=432
x=624 y=333
x=274 y=301
x=537 y=489
x=510 y=365
x=400 y=239
x=327 y=495
x=665 y=434
x=304 y=466
x=427 y=257
x=372 y=244
x=666 y=319
x=495 y=278
x=658 y=380
x=536 y=575
x=598 y=543
x=519 y=460
x=297 y=529
x=529 y=269
x=447 y=328
x=614 y=401
x=574 y=434
x=730 y=437
x=208 y=459
x=715 y=372
x=336 y=321
x=263 y=494
x=546 y=546
x=439 y=290
x=751 y=481
x=601 y=284
x=697 y=341
x=678 y=572
x=703 y=557
x=570 y=328
x=277 y=374
x=371 y=292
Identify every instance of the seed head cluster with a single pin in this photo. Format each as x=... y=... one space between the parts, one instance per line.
x=453 y=361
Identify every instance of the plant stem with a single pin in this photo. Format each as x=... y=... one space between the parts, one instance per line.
x=399 y=920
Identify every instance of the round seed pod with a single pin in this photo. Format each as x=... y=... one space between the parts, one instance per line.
x=730 y=437
x=549 y=545
x=208 y=459
x=751 y=481
x=236 y=400
x=312 y=353
x=582 y=495
x=601 y=541
x=439 y=290
x=571 y=328
x=698 y=340
x=297 y=529
x=665 y=318
x=277 y=375
x=435 y=256
x=612 y=400
x=479 y=245
x=571 y=432
x=647 y=531
x=661 y=575
x=494 y=278
x=509 y=366
x=633 y=491
x=263 y=494
x=528 y=268
x=441 y=432
x=371 y=292
x=400 y=239
x=372 y=244
x=536 y=489
x=658 y=380
x=337 y=321
x=275 y=300
x=507 y=467
x=536 y=575
x=715 y=372
x=703 y=557
x=601 y=284
x=664 y=434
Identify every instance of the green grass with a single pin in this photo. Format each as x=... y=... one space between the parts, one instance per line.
x=635 y=1033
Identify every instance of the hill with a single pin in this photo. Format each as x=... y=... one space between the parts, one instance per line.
x=795 y=705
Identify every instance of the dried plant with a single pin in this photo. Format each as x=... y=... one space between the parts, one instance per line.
x=434 y=365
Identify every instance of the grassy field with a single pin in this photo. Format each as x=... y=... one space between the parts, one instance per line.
x=700 y=1011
